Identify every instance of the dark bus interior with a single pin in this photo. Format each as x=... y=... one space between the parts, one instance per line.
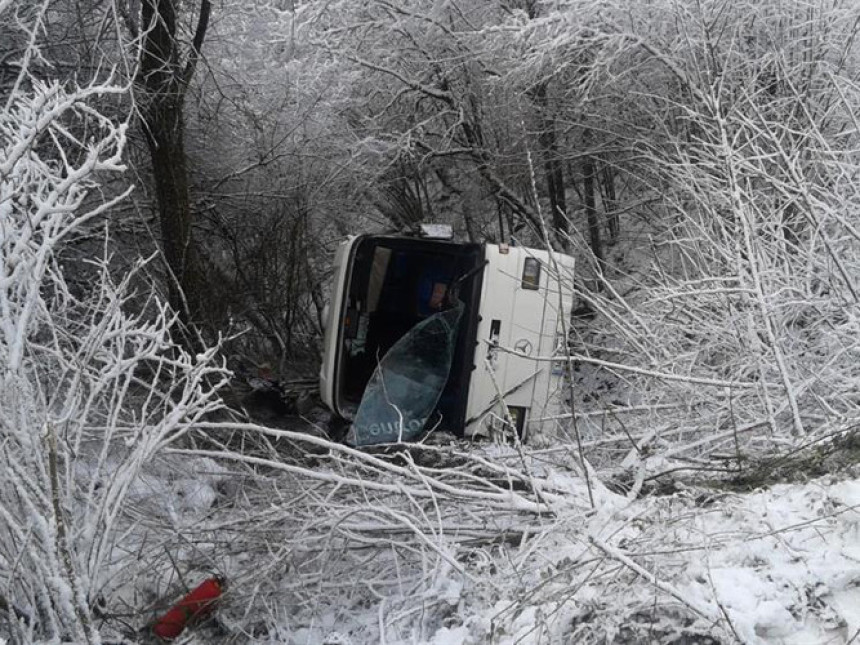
x=394 y=284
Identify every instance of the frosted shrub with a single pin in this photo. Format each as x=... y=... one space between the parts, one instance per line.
x=90 y=392
x=738 y=337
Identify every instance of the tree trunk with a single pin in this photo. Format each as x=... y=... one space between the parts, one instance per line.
x=610 y=202
x=553 y=168
x=164 y=137
x=163 y=79
x=589 y=189
x=547 y=140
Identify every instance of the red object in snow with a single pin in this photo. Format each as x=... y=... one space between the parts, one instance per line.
x=197 y=604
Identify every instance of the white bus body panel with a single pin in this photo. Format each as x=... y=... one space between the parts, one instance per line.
x=531 y=322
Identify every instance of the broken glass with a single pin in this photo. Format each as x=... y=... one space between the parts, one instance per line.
x=407 y=382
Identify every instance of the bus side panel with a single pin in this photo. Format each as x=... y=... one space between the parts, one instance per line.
x=528 y=320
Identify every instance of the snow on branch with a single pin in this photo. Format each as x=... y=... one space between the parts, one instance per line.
x=91 y=384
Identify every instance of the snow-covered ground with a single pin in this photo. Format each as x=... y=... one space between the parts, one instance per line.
x=777 y=565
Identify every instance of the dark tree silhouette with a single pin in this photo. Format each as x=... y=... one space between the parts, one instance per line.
x=162 y=83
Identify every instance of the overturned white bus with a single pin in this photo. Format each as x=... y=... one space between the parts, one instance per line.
x=516 y=305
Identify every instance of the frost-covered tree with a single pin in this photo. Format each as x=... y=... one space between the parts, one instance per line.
x=89 y=389
x=429 y=109
x=737 y=120
x=263 y=152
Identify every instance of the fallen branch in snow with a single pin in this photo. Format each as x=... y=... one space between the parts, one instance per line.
x=372 y=471
x=632 y=369
x=704 y=612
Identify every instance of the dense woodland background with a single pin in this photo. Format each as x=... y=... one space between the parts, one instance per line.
x=174 y=178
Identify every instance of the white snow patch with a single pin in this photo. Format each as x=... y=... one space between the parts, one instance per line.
x=450 y=636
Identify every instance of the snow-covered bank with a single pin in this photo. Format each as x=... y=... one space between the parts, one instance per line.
x=777 y=565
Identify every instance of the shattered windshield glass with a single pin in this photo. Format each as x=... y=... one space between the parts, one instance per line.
x=407 y=382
